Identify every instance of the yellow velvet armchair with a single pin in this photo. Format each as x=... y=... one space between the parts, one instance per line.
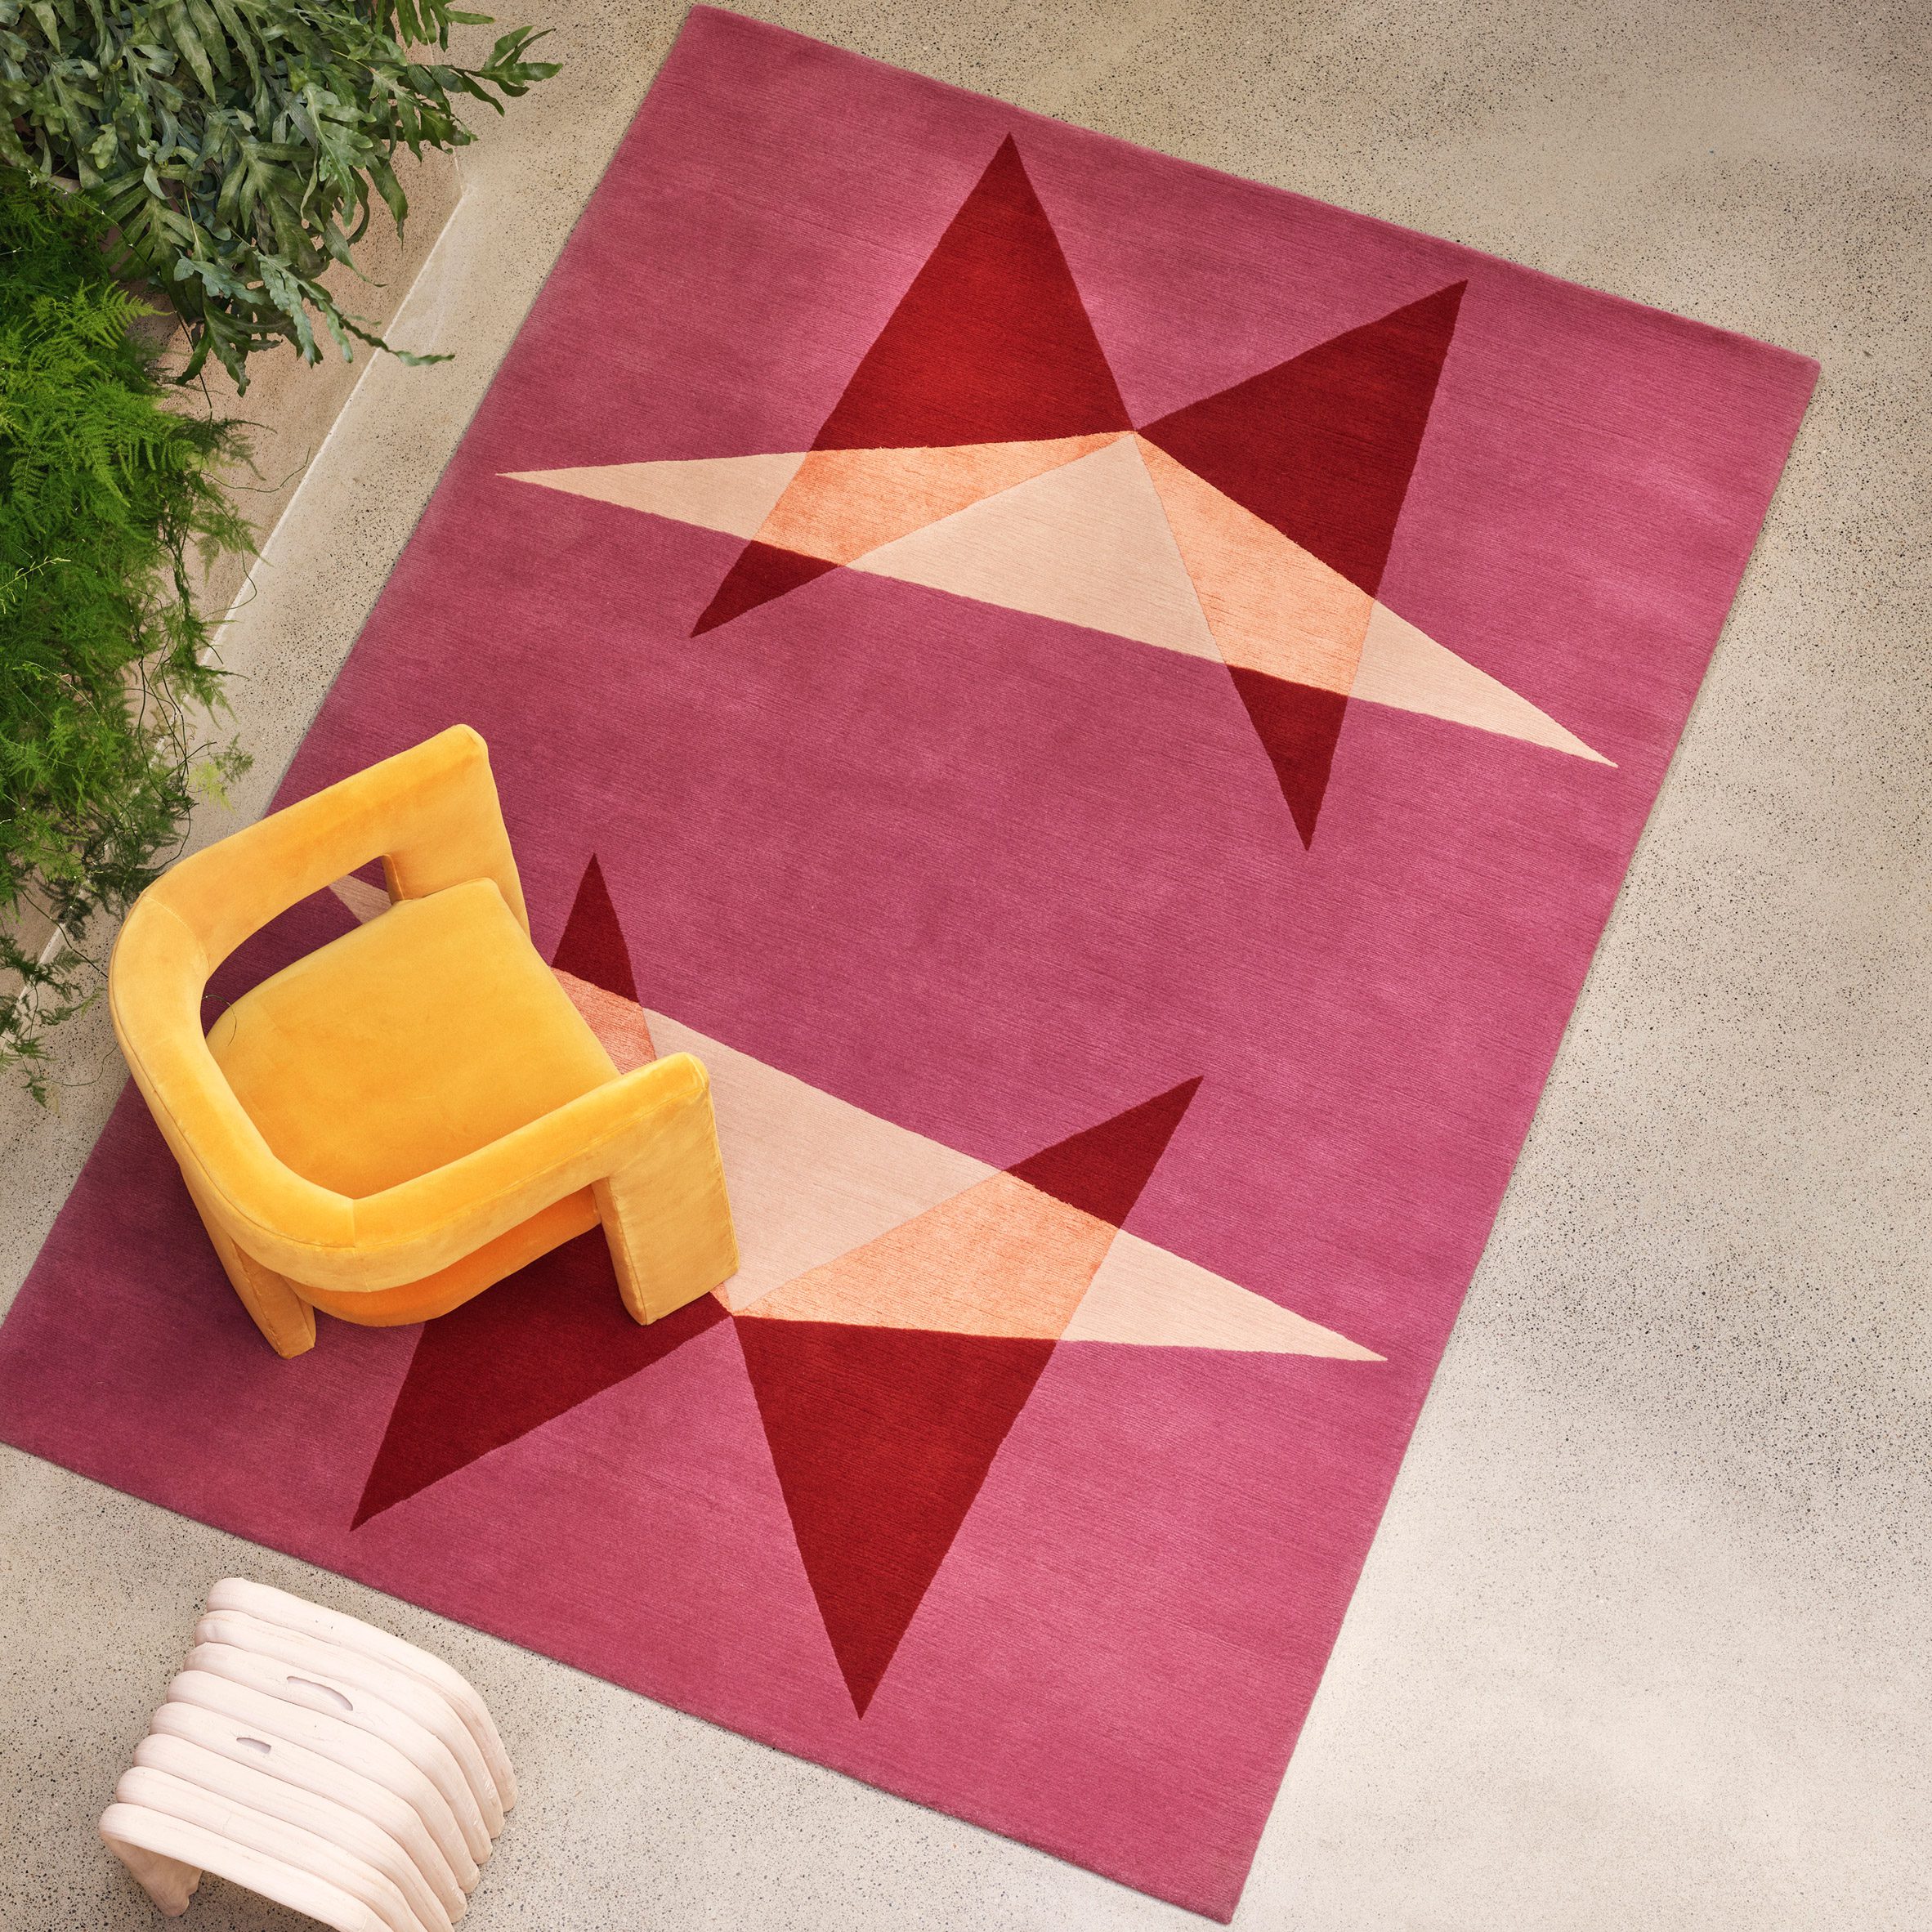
x=395 y=1122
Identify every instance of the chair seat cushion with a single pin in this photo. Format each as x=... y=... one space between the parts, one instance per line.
x=431 y=1031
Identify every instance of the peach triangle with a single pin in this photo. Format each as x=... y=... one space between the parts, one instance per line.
x=1061 y=529
x=732 y=493
x=1000 y=1259
x=1144 y=1295
x=843 y=503
x=1403 y=668
x=1085 y=543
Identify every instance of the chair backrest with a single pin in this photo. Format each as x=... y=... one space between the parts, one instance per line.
x=431 y=814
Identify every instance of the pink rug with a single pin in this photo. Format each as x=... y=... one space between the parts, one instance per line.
x=1109 y=705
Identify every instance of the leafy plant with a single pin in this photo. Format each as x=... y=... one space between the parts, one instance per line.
x=241 y=146
x=105 y=486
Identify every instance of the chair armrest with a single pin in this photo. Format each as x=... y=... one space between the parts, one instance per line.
x=431 y=813
x=153 y=996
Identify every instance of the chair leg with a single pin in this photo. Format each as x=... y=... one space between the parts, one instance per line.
x=668 y=1218
x=287 y=1321
x=169 y=1882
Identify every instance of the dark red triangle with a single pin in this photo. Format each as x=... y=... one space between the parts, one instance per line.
x=762 y=571
x=551 y=1336
x=593 y=946
x=990 y=344
x=1322 y=445
x=881 y=1438
x=1298 y=725
x=1101 y=1170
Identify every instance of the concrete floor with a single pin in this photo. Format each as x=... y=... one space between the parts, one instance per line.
x=1642 y=1642
x=290 y=405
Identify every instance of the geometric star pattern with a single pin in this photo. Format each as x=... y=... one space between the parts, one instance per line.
x=981 y=448
x=898 y=1303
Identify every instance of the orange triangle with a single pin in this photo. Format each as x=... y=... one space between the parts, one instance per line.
x=1271 y=605
x=622 y=1030
x=843 y=503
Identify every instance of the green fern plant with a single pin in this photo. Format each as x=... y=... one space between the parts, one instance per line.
x=106 y=487
x=241 y=146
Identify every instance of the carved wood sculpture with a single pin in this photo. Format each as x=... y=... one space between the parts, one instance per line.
x=318 y=1761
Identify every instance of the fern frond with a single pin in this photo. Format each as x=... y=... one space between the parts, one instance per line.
x=106 y=486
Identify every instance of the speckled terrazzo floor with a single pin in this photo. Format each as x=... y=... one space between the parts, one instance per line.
x=1642 y=1643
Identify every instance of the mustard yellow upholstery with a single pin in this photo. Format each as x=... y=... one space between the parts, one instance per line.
x=394 y=1123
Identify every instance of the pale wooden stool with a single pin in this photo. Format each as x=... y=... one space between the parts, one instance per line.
x=318 y=1761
